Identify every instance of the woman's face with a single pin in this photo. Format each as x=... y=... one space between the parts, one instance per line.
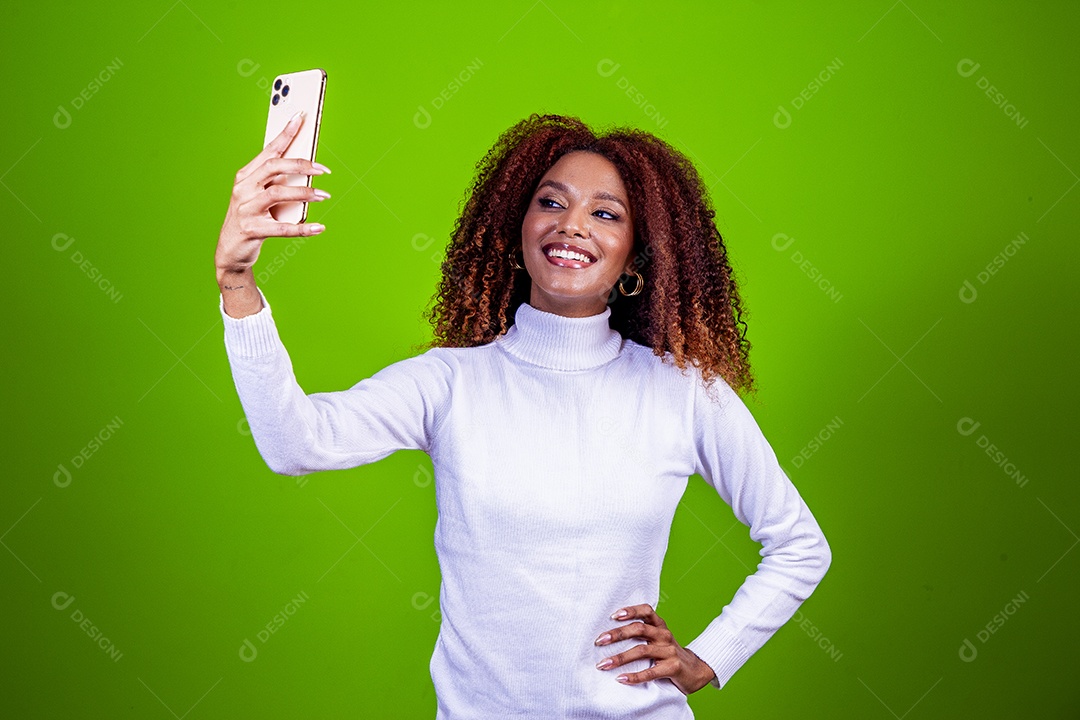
x=577 y=235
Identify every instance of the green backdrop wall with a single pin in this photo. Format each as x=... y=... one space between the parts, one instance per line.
x=897 y=187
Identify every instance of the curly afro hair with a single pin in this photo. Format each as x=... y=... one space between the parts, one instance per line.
x=689 y=310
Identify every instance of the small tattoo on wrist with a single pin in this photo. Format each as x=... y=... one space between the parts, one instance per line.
x=234 y=287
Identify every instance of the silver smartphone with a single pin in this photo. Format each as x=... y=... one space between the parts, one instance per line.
x=291 y=93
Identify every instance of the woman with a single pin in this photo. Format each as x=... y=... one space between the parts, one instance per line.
x=585 y=363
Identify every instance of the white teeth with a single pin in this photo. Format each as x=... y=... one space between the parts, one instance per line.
x=568 y=255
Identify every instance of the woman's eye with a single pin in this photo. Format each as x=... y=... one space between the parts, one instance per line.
x=547 y=202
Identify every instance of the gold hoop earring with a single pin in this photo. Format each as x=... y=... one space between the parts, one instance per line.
x=513 y=260
x=637 y=288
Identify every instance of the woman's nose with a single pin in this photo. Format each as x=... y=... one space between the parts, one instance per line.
x=573 y=221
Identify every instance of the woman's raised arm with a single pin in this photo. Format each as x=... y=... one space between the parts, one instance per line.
x=399 y=407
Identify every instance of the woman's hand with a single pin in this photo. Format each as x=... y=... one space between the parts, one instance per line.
x=670 y=660
x=248 y=221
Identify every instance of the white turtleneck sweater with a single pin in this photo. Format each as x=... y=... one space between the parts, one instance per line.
x=560 y=452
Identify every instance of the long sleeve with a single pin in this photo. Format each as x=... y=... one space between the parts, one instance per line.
x=734 y=457
x=400 y=407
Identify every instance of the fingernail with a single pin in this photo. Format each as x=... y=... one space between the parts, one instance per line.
x=321 y=194
x=320 y=166
x=622 y=679
x=603 y=664
x=619 y=615
x=296 y=118
x=316 y=228
x=605 y=638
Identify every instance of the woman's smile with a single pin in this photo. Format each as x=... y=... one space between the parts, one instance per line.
x=566 y=255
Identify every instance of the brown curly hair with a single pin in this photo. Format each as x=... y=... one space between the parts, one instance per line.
x=690 y=305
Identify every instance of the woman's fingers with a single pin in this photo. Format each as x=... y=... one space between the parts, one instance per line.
x=650 y=626
x=665 y=668
x=651 y=633
x=274 y=148
x=272 y=228
x=670 y=660
x=274 y=166
x=647 y=650
x=644 y=612
x=261 y=203
x=252 y=200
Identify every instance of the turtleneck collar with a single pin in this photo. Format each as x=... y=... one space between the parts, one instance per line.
x=561 y=343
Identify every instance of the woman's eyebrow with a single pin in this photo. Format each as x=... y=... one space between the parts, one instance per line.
x=600 y=195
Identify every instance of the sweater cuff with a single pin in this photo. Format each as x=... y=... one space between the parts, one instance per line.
x=722 y=652
x=252 y=336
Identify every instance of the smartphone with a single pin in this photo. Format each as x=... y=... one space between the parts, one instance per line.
x=291 y=93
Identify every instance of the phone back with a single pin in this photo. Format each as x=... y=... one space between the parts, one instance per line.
x=291 y=93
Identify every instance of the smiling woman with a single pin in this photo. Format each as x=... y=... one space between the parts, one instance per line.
x=626 y=196
x=563 y=419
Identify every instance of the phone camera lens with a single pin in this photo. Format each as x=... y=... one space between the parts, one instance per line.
x=284 y=91
x=277 y=84
x=275 y=100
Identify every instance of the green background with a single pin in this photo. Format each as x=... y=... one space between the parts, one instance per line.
x=899 y=179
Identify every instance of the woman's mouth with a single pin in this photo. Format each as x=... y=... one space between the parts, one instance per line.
x=566 y=255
